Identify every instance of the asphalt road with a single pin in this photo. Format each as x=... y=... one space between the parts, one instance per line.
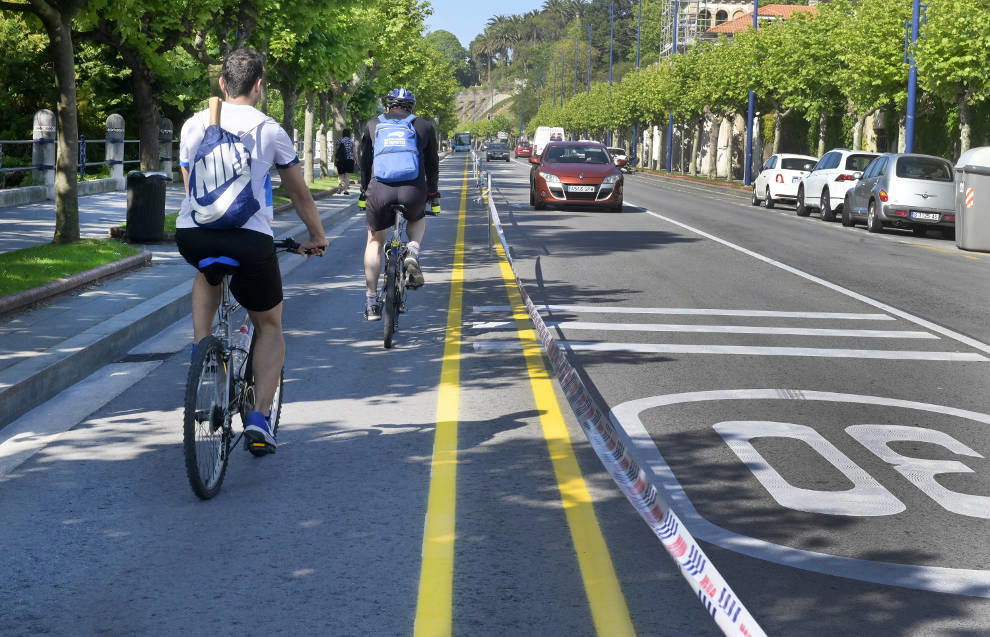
x=101 y=533
x=793 y=388
x=810 y=397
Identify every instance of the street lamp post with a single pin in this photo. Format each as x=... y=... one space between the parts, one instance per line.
x=611 y=38
x=670 y=124
x=639 y=30
x=575 y=41
x=561 y=77
x=750 y=114
x=591 y=30
x=912 y=80
x=555 y=82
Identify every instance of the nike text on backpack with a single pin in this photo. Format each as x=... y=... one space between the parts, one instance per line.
x=396 y=150
x=220 y=180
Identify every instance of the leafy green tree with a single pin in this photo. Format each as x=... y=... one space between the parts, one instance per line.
x=953 y=57
x=458 y=57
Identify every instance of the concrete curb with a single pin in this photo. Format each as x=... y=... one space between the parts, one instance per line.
x=696 y=180
x=31 y=382
x=28 y=297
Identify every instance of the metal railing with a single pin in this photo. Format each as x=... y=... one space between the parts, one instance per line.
x=83 y=164
x=14 y=169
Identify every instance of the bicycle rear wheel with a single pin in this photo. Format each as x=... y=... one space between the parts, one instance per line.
x=249 y=398
x=390 y=311
x=206 y=433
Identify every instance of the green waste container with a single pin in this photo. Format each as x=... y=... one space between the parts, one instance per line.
x=973 y=200
x=146 y=206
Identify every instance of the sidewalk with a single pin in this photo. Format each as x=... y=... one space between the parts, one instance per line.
x=48 y=347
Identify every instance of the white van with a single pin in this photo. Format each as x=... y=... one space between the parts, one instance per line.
x=546 y=134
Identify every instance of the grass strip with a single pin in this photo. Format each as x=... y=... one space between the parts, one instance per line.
x=281 y=196
x=170 y=218
x=33 y=267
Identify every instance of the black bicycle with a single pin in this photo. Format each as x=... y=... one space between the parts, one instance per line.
x=220 y=384
x=392 y=299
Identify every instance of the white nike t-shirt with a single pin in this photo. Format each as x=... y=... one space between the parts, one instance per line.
x=267 y=142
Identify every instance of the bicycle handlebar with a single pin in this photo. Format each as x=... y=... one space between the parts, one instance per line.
x=291 y=245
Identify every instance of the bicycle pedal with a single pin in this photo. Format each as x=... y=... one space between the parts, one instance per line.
x=258 y=448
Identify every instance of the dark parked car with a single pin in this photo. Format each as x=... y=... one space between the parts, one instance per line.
x=497 y=150
x=575 y=173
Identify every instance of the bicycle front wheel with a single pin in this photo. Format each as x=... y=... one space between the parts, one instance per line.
x=390 y=311
x=206 y=433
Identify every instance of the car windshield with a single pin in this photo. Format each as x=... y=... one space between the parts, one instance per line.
x=858 y=163
x=797 y=163
x=497 y=147
x=524 y=144
x=577 y=155
x=923 y=168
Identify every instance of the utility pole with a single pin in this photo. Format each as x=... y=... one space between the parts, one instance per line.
x=751 y=114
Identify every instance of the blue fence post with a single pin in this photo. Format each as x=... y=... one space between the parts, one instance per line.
x=82 y=157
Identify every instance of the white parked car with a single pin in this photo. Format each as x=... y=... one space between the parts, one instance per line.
x=824 y=188
x=778 y=181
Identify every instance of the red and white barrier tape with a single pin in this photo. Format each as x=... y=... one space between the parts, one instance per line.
x=714 y=593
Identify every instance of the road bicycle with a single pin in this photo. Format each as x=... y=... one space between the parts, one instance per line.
x=392 y=298
x=220 y=384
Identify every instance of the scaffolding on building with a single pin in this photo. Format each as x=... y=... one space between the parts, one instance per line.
x=681 y=22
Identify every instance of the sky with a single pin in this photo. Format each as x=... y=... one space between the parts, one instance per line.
x=467 y=18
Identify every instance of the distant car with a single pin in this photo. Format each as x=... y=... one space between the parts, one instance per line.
x=904 y=190
x=779 y=178
x=575 y=173
x=824 y=188
x=524 y=149
x=619 y=156
x=497 y=150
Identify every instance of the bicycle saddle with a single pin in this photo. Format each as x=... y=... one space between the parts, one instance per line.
x=218 y=265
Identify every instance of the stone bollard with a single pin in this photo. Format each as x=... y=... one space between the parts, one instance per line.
x=43 y=152
x=165 y=146
x=115 y=149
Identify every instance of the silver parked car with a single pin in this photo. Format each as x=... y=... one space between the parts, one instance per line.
x=903 y=190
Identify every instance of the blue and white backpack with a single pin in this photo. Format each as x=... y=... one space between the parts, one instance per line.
x=220 y=179
x=396 y=150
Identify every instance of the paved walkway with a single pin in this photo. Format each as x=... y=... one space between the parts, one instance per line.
x=46 y=347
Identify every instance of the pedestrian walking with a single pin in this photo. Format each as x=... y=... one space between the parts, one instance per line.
x=343 y=160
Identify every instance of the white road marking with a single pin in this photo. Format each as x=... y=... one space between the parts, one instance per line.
x=626 y=417
x=712 y=329
x=814 y=352
x=944 y=331
x=688 y=311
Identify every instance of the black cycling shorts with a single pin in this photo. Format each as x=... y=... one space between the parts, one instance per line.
x=381 y=197
x=257 y=283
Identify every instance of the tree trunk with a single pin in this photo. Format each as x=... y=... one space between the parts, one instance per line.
x=290 y=94
x=695 y=148
x=322 y=136
x=858 y=132
x=148 y=115
x=308 y=137
x=778 y=125
x=59 y=27
x=338 y=112
x=965 y=125
x=730 y=147
x=822 y=128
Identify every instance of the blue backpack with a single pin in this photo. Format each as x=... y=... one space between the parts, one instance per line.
x=396 y=150
x=220 y=181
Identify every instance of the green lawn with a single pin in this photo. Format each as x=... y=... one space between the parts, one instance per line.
x=33 y=267
x=279 y=196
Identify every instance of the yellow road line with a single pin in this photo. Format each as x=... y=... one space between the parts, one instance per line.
x=434 y=608
x=608 y=605
x=943 y=250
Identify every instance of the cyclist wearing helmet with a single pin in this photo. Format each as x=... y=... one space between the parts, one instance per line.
x=380 y=193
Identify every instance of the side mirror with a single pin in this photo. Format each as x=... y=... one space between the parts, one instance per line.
x=857 y=175
x=534 y=159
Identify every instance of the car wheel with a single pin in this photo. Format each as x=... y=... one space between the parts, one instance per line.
x=755 y=201
x=617 y=207
x=799 y=207
x=826 y=207
x=532 y=197
x=847 y=219
x=769 y=200
x=873 y=223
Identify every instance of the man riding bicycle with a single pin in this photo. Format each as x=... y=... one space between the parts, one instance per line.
x=257 y=282
x=399 y=165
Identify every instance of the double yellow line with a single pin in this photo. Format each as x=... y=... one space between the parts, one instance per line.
x=435 y=606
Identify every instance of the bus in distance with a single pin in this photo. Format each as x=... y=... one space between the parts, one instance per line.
x=462 y=141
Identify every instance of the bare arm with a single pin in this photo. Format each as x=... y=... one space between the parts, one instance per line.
x=185 y=178
x=302 y=201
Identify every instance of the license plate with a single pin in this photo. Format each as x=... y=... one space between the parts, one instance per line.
x=925 y=216
x=580 y=189
x=794 y=179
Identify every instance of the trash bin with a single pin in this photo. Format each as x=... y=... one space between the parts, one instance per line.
x=973 y=200
x=146 y=206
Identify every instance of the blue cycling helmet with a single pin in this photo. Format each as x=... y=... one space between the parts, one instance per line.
x=400 y=97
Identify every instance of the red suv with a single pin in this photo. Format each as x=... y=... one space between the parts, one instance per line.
x=524 y=149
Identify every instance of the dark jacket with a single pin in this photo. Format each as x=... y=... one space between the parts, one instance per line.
x=429 y=165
